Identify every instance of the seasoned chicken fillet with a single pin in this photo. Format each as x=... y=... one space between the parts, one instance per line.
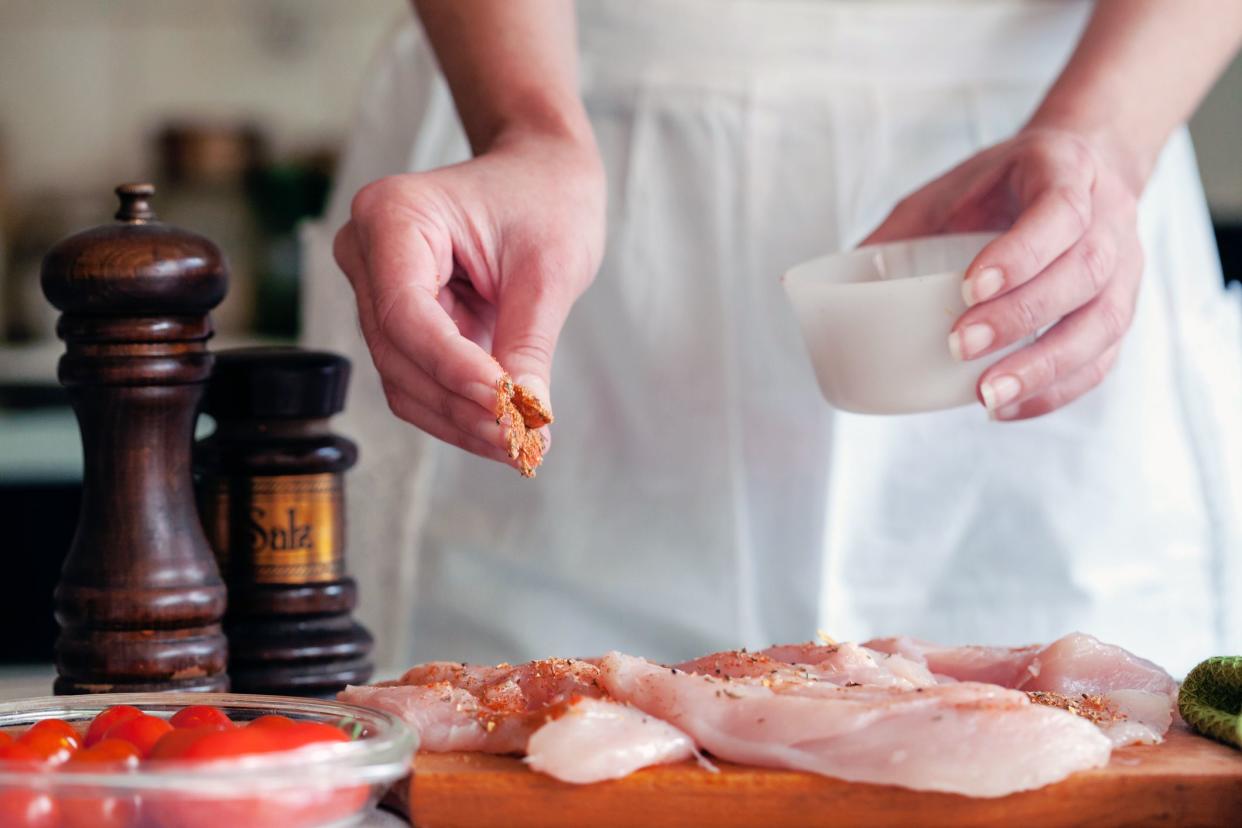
x=964 y=737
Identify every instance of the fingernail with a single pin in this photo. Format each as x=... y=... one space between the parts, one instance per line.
x=982 y=286
x=1008 y=412
x=1000 y=390
x=535 y=386
x=970 y=340
x=493 y=431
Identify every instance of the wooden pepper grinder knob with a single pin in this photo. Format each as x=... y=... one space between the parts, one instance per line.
x=140 y=600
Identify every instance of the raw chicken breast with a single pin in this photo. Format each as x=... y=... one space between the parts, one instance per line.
x=490 y=709
x=836 y=663
x=1130 y=698
x=961 y=737
x=980 y=721
x=590 y=740
x=844 y=663
x=1005 y=666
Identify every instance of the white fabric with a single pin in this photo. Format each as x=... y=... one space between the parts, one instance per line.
x=699 y=493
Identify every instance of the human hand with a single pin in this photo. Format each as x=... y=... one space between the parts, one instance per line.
x=456 y=265
x=1069 y=251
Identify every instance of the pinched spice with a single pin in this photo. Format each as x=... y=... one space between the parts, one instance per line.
x=521 y=414
x=534 y=413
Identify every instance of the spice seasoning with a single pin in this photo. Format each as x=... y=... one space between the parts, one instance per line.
x=522 y=414
x=1090 y=707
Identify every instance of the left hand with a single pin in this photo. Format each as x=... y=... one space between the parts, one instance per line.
x=1070 y=252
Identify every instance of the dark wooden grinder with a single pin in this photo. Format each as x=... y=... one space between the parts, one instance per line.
x=273 y=498
x=140 y=600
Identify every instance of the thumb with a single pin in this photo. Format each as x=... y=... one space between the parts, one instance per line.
x=529 y=318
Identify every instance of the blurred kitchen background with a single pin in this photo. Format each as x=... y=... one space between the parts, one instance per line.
x=236 y=110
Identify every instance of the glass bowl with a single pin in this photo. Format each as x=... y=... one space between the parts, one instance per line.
x=317 y=786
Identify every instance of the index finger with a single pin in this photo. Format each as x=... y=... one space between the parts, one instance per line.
x=1056 y=212
x=404 y=279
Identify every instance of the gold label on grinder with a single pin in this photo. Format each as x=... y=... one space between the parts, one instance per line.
x=277 y=530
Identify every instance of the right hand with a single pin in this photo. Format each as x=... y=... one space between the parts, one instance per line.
x=456 y=265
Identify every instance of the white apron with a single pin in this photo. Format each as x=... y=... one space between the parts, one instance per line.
x=699 y=493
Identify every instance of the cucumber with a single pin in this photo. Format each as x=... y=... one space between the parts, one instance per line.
x=1211 y=699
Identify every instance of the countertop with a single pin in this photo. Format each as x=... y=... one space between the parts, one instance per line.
x=22 y=681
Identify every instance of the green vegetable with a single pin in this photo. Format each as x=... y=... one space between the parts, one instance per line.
x=352 y=726
x=1211 y=699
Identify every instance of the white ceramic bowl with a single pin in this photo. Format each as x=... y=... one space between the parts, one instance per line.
x=876 y=322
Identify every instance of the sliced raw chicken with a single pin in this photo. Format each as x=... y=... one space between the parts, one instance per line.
x=490 y=709
x=1130 y=698
x=835 y=663
x=590 y=740
x=980 y=721
x=844 y=663
x=968 y=738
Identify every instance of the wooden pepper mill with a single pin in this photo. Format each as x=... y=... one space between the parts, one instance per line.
x=140 y=599
x=272 y=489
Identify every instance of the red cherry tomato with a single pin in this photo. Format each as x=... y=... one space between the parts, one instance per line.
x=53 y=739
x=100 y=809
x=199 y=715
x=301 y=734
x=289 y=809
x=272 y=721
x=142 y=732
x=27 y=809
x=114 y=753
x=15 y=752
x=207 y=743
x=106 y=720
x=174 y=744
x=225 y=744
x=51 y=748
x=59 y=727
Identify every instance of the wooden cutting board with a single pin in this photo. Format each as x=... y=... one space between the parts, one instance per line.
x=1187 y=781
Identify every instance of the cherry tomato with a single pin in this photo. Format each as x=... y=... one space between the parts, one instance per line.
x=100 y=809
x=289 y=809
x=53 y=739
x=49 y=747
x=286 y=809
x=272 y=721
x=106 y=720
x=27 y=809
x=142 y=732
x=224 y=744
x=198 y=715
x=112 y=752
x=17 y=752
x=59 y=727
x=5 y=739
x=174 y=744
x=301 y=734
